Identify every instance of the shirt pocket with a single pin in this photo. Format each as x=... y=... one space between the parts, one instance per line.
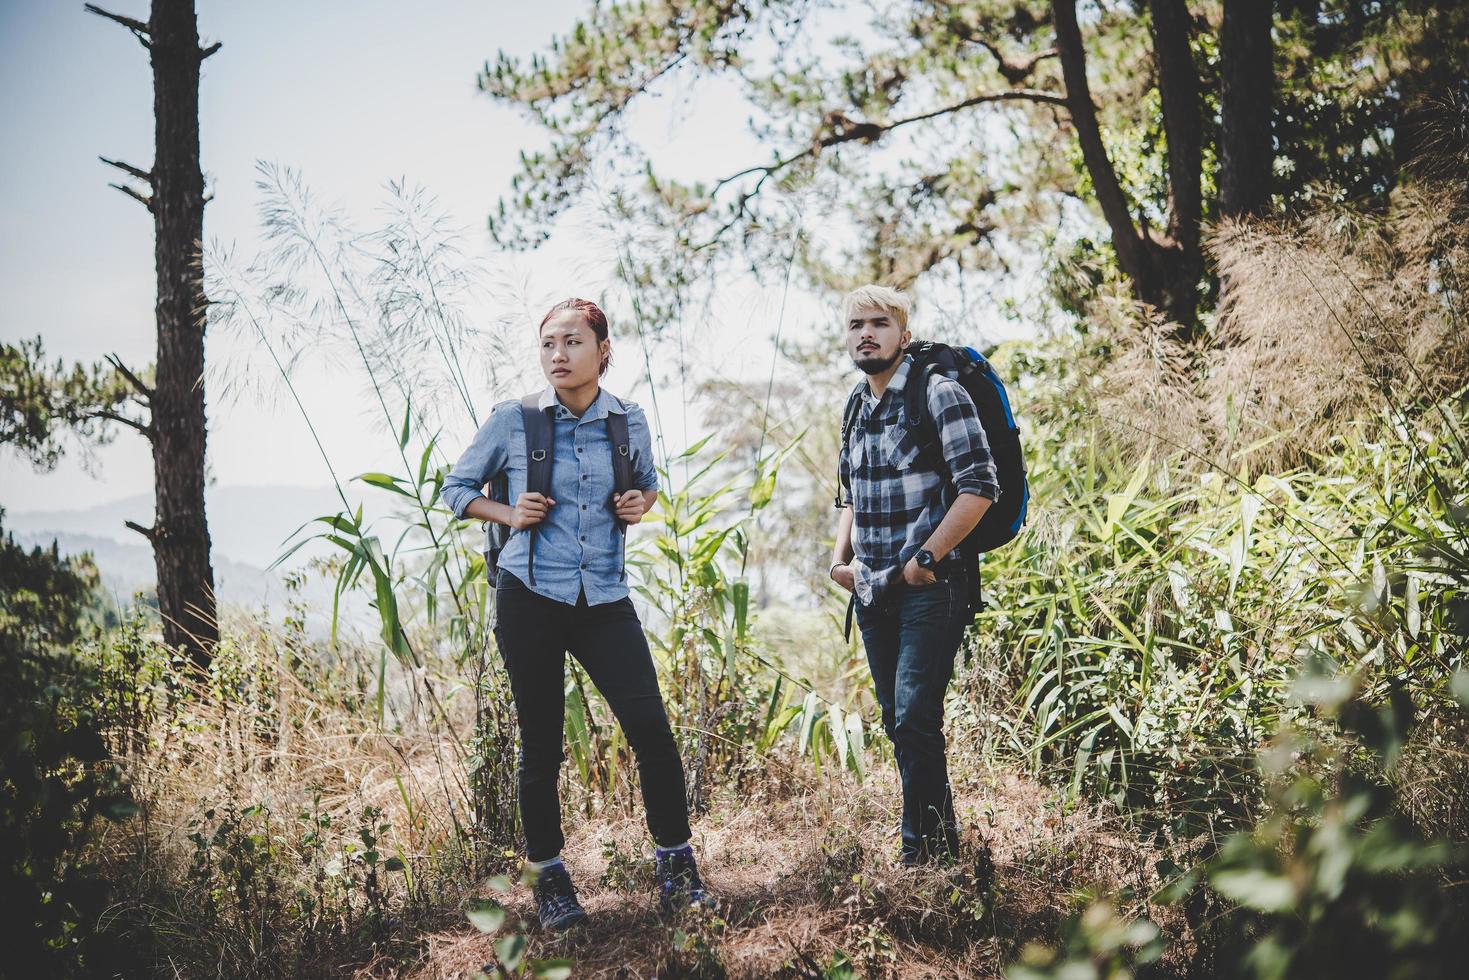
x=856 y=442
x=899 y=446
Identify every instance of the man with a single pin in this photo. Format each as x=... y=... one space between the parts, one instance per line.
x=901 y=520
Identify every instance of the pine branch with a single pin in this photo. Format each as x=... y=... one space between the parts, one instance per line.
x=139 y=29
x=142 y=199
x=206 y=52
x=105 y=413
x=148 y=532
x=1015 y=70
x=851 y=131
x=128 y=168
x=132 y=378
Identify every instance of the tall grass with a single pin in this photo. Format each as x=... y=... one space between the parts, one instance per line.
x=334 y=803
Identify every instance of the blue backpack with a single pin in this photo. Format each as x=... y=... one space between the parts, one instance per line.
x=1004 y=519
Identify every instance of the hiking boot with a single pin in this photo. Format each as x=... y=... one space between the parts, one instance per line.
x=556 y=904
x=679 y=885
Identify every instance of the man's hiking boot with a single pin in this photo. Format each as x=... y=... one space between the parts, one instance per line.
x=556 y=904
x=679 y=885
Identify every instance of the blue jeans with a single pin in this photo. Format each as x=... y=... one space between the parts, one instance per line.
x=912 y=634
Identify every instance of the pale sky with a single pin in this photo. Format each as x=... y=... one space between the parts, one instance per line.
x=352 y=94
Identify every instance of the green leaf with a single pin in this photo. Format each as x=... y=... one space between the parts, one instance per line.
x=1255 y=888
x=121 y=809
x=383 y=481
x=1460 y=686
x=485 y=915
x=510 y=950
x=551 y=969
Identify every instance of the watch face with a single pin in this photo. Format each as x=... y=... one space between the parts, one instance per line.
x=925 y=559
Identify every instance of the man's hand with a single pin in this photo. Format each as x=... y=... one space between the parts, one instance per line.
x=630 y=507
x=916 y=574
x=845 y=576
x=530 y=510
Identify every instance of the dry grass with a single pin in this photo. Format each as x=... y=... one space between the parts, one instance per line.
x=1322 y=319
x=802 y=860
x=805 y=870
x=1334 y=315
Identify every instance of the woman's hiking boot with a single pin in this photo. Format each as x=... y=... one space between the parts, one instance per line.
x=556 y=904
x=679 y=885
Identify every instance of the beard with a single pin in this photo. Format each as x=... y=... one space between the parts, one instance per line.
x=874 y=363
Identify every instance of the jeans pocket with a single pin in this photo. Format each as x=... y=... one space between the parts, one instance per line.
x=505 y=582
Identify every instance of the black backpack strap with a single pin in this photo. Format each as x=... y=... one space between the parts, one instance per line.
x=622 y=475
x=849 y=418
x=540 y=445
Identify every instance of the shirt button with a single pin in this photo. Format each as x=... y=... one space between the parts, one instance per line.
x=583 y=537
x=583 y=506
x=583 y=476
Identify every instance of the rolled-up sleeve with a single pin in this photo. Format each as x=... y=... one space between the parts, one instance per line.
x=645 y=472
x=481 y=462
x=966 y=449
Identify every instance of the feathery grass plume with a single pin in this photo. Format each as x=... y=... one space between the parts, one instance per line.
x=1142 y=392
x=1332 y=316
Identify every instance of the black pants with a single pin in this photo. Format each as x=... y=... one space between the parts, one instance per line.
x=912 y=635
x=534 y=634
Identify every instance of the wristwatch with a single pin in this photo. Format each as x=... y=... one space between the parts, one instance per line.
x=925 y=559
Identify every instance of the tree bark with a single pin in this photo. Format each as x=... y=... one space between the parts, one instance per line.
x=1164 y=268
x=1247 y=76
x=1132 y=256
x=180 y=534
x=1178 y=86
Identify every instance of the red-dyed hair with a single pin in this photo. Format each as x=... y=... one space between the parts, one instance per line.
x=591 y=315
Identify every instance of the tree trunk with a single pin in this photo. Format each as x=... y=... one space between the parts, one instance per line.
x=1247 y=76
x=1178 y=85
x=1164 y=269
x=1131 y=254
x=180 y=533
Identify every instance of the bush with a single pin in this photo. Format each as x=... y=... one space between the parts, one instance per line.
x=57 y=776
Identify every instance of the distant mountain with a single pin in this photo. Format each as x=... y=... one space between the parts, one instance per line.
x=128 y=568
x=246 y=524
x=249 y=529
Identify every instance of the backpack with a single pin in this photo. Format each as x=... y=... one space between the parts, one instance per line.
x=540 y=450
x=1003 y=520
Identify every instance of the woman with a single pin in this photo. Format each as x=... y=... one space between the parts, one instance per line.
x=561 y=586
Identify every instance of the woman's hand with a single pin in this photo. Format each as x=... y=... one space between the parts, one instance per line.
x=845 y=576
x=630 y=507
x=530 y=510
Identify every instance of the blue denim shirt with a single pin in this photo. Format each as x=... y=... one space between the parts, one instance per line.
x=579 y=546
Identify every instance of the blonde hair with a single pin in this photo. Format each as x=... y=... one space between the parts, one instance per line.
x=894 y=302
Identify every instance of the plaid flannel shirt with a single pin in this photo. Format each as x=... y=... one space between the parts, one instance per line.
x=896 y=503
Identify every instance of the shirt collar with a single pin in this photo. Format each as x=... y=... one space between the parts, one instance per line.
x=899 y=379
x=600 y=407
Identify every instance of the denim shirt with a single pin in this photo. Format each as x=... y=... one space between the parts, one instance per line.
x=579 y=547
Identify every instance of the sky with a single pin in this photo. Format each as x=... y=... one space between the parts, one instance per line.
x=352 y=95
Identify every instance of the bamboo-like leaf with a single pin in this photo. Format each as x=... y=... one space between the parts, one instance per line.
x=384 y=481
